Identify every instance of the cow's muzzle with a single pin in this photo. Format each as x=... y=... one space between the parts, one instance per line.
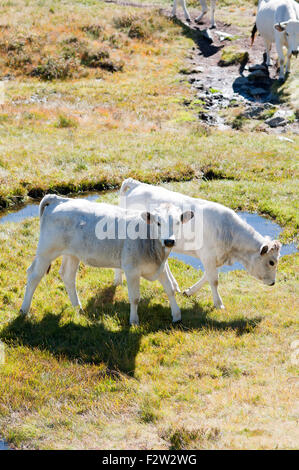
x=295 y=53
x=169 y=243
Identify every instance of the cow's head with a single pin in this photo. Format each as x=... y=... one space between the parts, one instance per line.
x=291 y=30
x=263 y=265
x=166 y=221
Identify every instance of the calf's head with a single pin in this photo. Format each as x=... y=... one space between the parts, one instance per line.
x=263 y=266
x=166 y=221
x=291 y=30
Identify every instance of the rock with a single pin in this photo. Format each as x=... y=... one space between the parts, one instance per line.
x=208 y=118
x=280 y=137
x=258 y=75
x=276 y=121
x=223 y=35
x=253 y=68
x=206 y=34
x=254 y=111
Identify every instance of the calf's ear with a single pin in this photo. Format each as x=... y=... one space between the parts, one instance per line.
x=147 y=217
x=280 y=27
x=264 y=250
x=186 y=216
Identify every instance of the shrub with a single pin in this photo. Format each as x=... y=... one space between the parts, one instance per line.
x=124 y=21
x=64 y=122
x=54 y=68
x=139 y=31
x=93 y=30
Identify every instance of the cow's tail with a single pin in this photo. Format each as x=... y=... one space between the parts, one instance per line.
x=129 y=183
x=253 y=33
x=46 y=201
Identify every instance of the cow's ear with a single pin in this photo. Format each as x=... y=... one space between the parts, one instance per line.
x=264 y=250
x=147 y=217
x=280 y=27
x=276 y=245
x=186 y=216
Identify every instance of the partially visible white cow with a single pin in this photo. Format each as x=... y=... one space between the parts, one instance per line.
x=278 y=21
x=103 y=235
x=226 y=237
x=204 y=11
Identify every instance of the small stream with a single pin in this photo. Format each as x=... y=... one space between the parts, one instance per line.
x=261 y=224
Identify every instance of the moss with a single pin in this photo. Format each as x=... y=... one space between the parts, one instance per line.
x=230 y=55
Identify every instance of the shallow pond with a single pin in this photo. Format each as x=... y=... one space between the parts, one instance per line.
x=261 y=224
x=3 y=445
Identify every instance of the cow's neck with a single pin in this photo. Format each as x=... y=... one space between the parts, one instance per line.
x=246 y=242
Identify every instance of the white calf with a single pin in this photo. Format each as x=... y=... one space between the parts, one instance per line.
x=226 y=237
x=104 y=235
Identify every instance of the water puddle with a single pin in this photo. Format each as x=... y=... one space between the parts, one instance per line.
x=3 y=445
x=261 y=224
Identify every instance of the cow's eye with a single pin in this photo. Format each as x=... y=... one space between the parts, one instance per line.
x=271 y=263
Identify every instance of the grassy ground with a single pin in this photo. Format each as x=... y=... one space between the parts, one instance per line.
x=223 y=379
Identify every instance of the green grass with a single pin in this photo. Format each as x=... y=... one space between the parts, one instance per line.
x=221 y=379
x=69 y=380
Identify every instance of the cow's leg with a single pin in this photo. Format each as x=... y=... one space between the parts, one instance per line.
x=281 y=58
x=204 y=10
x=187 y=16
x=288 y=65
x=212 y=277
x=172 y=278
x=198 y=285
x=133 y=281
x=268 y=50
x=68 y=271
x=174 y=8
x=170 y=291
x=34 y=275
x=118 y=277
x=213 y=6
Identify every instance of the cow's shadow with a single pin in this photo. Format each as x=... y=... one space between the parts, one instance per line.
x=95 y=343
x=205 y=47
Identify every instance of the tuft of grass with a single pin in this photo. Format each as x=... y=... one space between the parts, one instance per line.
x=66 y=122
x=230 y=56
x=182 y=438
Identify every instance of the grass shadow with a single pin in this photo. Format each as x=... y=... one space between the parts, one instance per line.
x=117 y=347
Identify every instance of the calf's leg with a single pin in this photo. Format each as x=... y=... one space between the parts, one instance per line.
x=68 y=271
x=133 y=281
x=268 y=50
x=213 y=6
x=198 y=285
x=34 y=275
x=172 y=278
x=170 y=291
x=212 y=277
x=187 y=16
x=204 y=10
x=118 y=277
x=174 y=8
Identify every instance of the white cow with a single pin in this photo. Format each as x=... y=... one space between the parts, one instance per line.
x=226 y=237
x=204 y=11
x=278 y=21
x=104 y=235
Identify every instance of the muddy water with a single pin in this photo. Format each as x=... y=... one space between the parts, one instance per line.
x=259 y=223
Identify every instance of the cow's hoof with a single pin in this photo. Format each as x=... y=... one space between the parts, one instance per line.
x=134 y=323
x=213 y=26
x=187 y=293
x=188 y=20
x=220 y=307
x=21 y=312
